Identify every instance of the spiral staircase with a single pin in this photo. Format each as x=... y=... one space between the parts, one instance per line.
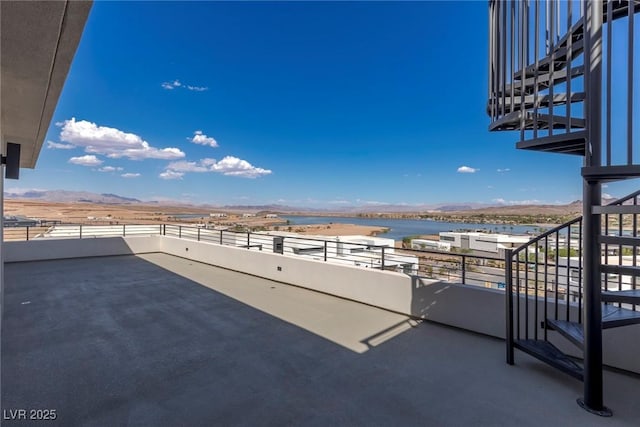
x=562 y=74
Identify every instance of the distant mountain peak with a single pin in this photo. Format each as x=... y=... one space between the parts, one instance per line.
x=66 y=196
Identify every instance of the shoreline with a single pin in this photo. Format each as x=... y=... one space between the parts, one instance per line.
x=105 y=214
x=335 y=229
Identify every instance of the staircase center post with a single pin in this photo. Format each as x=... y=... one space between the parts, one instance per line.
x=592 y=193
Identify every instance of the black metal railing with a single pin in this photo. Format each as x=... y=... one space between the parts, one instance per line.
x=544 y=277
x=625 y=251
x=429 y=264
x=547 y=271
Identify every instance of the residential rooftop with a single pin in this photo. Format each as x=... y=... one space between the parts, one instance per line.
x=156 y=339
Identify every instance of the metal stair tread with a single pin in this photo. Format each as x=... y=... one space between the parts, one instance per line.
x=620 y=240
x=576 y=32
x=619 y=10
x=558 y=57
x=565 y=143
x=543 y=81
x=570 y=330
x=513 y=120
x=613 y=317
x=543 y=101
x=611 y=173
x=548 y=353
x=631 y=296
x=627 y=270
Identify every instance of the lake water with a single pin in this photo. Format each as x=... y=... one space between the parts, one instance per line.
x=399 y=228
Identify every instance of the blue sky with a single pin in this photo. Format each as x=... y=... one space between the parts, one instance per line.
x=298 y=103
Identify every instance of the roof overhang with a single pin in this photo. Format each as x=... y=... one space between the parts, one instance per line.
x=39 y=40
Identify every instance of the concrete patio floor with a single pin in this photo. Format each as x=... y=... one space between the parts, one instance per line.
x=159 y=340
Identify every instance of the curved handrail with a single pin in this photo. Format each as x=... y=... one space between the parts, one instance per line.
x=545 y=234
x=557 y=229
x=624 y=199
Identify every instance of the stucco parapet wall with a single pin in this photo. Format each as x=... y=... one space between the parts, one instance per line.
x=49 y=249
x=388 y=290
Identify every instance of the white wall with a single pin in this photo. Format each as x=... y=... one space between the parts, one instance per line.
x=457 y=240
x=43 y=249
x=430 y=244
x=383 y=289
x=484 y=243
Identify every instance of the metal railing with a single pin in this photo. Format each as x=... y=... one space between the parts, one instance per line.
x=546 y=270
x=545 y=277
x=537 y=77
x=429 y=264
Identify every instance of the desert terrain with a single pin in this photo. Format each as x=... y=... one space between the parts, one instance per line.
x=139 y=213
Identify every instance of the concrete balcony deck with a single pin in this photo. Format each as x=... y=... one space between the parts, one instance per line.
x=156 y=339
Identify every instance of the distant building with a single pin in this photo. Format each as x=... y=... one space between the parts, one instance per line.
x=488 y=244
x=218 y=215
x=436 y=245
x=570 y=270
x=271 y=216
x=360 y=251
x=248 y=215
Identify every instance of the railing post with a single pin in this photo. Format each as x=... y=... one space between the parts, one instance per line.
x=464 y=270
x=248 y=239
x=325 y=251
x=198 y=234
x=220 y=236
x=382 y=260
x=81 y=231
x=180 y=232
x=27 y=233
x=508 y=278
x=124 y=230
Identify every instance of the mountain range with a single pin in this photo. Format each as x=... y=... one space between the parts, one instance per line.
x=65 y=196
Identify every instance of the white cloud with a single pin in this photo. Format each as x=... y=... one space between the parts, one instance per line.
x=130 y=175
x=197 y=88
x=607 y=196
x=185 y=166
x=88 y=160
x=58 y=146
x=109 y=169
x=176 y=83
x=518 y=202
x=171 y=85
x=526 y=202
x=230 y=166
x=234 y=166
x=202 y=139
x=467 y=169
x=169 y=174
x=503 y=170
x=113 y=142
